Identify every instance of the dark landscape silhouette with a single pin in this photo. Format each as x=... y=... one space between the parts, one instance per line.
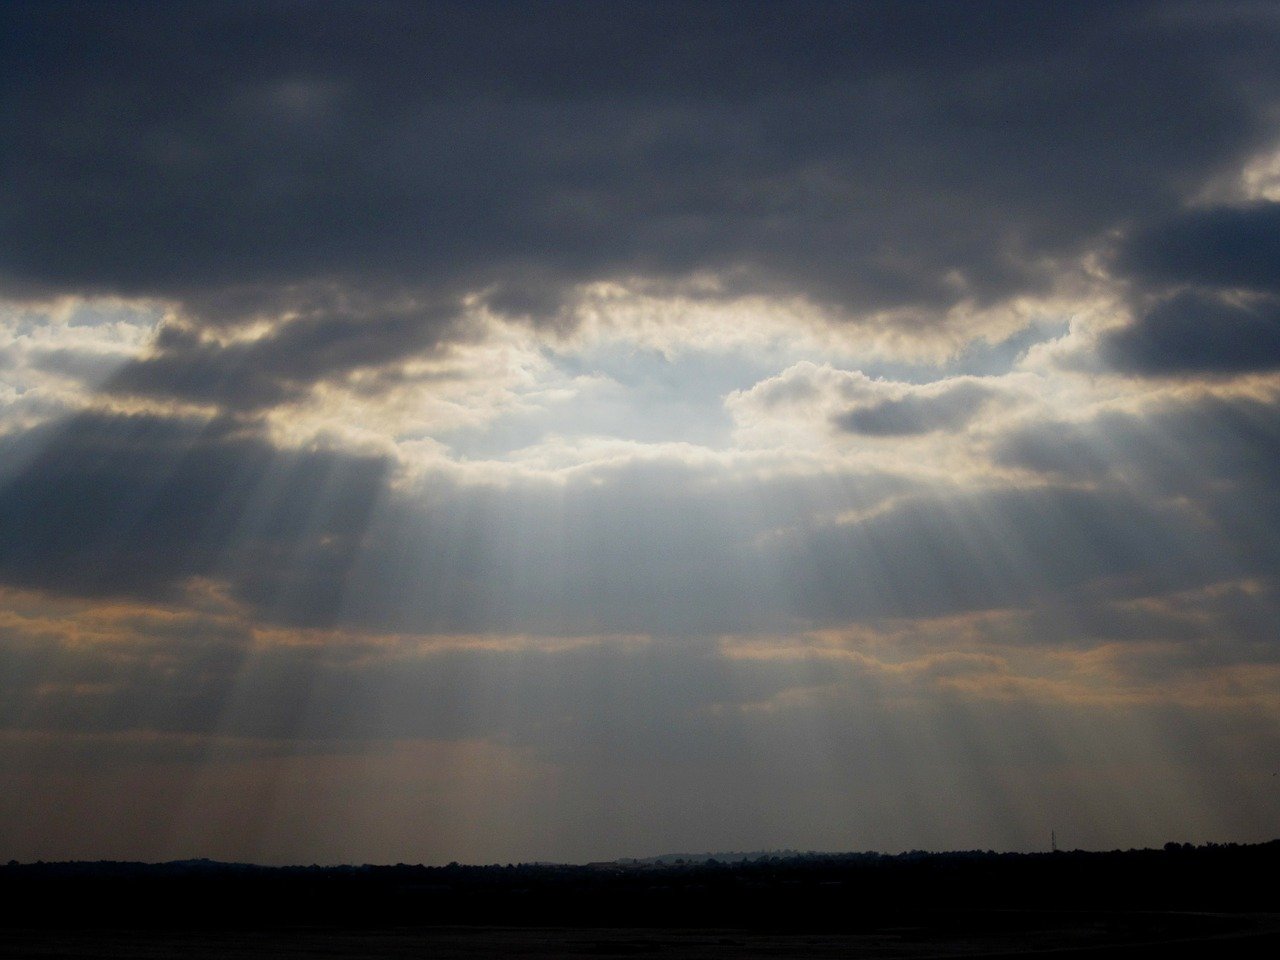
x=1181 y=900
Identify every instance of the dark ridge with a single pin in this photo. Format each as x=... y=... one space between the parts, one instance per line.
x=832 y=892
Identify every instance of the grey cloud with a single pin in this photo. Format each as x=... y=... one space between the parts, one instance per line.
x=1220 y=457
x=1191 y=447
x=1170 y=627
x=915 y=413
x=1220 y=313
x=1223 y=247
x=112 y=505
x=1198 y=333
x=943 y=555
x=1060 y=449
x=136 y=505
x=800 y=148
x=285 y=362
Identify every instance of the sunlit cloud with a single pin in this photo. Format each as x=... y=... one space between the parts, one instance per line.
x=54 y=354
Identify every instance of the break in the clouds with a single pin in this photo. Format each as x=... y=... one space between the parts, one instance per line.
x=559 y=430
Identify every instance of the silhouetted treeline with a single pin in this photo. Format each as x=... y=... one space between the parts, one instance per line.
x=813 y=891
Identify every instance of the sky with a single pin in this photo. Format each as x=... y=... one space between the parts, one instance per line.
x=563 y=431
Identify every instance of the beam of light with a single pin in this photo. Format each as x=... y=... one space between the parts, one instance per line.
x=440 y=652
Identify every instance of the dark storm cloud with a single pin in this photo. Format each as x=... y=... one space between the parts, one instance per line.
x=914 y=414
x=359 y=168
x=866 y=155
x=1198 y=333
x=280 y=365
x=1222 y=316
x=1226 y=247
x=136 y=505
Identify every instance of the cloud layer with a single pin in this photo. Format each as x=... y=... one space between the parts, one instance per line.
x=670 y=424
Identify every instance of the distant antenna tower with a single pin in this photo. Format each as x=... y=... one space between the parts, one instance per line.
x=1053 y=841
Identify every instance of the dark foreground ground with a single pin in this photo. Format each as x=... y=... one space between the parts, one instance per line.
x=1215 y=901
x=1252 y=938
x=1172 y=936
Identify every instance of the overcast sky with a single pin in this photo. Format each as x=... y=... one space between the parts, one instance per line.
x=562 y=431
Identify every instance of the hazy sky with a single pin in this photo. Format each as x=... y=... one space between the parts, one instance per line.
x=506 y=431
